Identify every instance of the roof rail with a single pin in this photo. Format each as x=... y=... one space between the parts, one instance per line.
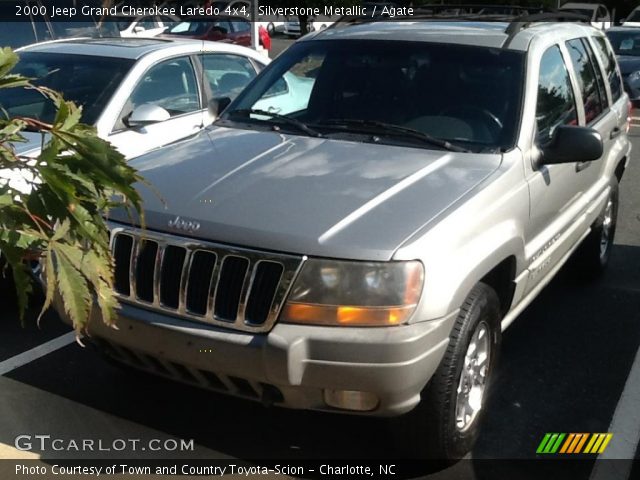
x=444 y=11
x=478 y=9
x=520 y=23
x=519 y=17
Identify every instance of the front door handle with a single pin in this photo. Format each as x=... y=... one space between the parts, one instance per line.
x=615 y=132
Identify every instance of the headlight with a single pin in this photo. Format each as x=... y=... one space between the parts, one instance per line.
x=332 y=292
x=634 y=77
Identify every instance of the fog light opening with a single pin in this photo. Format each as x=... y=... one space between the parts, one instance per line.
x=351 y=400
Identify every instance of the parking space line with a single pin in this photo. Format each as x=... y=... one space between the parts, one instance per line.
x=37 y=352
x=625 y=426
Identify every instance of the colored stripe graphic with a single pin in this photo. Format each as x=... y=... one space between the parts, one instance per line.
x=594 y=437
x=573 y=443
x=606 y=442
x=543 y=443
x=581 y=443
x=567 y=442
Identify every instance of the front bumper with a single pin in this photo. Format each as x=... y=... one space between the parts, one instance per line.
x=290 y=366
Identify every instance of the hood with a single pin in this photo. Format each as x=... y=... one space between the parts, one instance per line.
x=321 y=197
x=628 y=64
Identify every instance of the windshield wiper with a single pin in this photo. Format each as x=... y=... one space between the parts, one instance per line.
x=283 y=118
x=374 y=126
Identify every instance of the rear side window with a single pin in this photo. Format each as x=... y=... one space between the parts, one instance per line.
x=241 y=26
x=609 y=62
x=227 y=74
x=592 y=97
x=556 y=105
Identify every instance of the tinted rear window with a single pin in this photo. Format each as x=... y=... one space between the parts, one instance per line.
x=86 y=80
x=609 y=61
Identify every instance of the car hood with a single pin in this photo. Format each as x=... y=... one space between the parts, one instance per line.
x=628 y=64
x=313 y=196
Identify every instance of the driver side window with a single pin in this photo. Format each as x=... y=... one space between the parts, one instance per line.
x=170 y=84
x=556 y=104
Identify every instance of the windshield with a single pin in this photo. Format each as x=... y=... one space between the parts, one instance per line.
x=625 y=43
x=579 y=11
x=124 y=22
x=634 y=17
x=469 y=96
x=88 y=81
x=192 y=27
x=87 y=28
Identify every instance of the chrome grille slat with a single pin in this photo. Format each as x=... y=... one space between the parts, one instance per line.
x=290 y=265
x=133 y=265
x=215 y=277
x=156 y=274
x=245 y=291
x=184 y=276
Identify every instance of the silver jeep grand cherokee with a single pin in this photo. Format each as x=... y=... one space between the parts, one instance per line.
x=357 y=228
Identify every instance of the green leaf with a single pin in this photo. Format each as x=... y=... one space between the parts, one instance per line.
x=8 y=60
x=74 y=291
x=74 y=181
x=50 y=287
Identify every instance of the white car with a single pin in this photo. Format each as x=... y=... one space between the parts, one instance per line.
x=292 y=25
x=597 y=13
x=144 y=26
x=272 y=26
x=139 y=93
x=633 y=19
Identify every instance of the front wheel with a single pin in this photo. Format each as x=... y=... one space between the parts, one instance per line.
x=445 y=424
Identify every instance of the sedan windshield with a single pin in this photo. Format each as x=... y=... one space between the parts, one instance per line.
x=86 y=80
x=634 y=17
x=429 y=95
x=625 y=42
x=191 y=27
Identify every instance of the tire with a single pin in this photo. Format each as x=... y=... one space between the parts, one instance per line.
x=436 y=429
x=592 y=256
x=7 y=291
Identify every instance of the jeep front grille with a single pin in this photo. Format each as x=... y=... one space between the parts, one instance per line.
x=237 y=288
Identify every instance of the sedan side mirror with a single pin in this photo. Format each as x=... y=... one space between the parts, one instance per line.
x=571 y=144
x=217 y=106
x=147 y=114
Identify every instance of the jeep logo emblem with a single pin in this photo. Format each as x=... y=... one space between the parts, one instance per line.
x=184 y=225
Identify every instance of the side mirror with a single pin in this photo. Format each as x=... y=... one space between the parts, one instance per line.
x=147 y=114
x=138 y=29
x=571 y=144
x=217 y=106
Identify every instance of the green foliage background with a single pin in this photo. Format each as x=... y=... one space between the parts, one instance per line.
x=59 y=218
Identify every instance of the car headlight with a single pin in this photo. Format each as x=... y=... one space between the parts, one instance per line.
x=634 y=77
x=333 y=292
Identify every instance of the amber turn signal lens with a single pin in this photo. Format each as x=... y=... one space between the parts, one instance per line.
x=346 y=315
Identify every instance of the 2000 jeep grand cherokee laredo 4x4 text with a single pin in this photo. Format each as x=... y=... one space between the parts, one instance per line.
x=358 y=226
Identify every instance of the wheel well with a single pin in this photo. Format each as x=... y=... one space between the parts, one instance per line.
x=500 y=278
x=619 y=171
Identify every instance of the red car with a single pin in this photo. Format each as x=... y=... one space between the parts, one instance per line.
x=224 y=29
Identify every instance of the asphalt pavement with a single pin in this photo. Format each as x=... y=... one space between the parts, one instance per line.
x=564 y=366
